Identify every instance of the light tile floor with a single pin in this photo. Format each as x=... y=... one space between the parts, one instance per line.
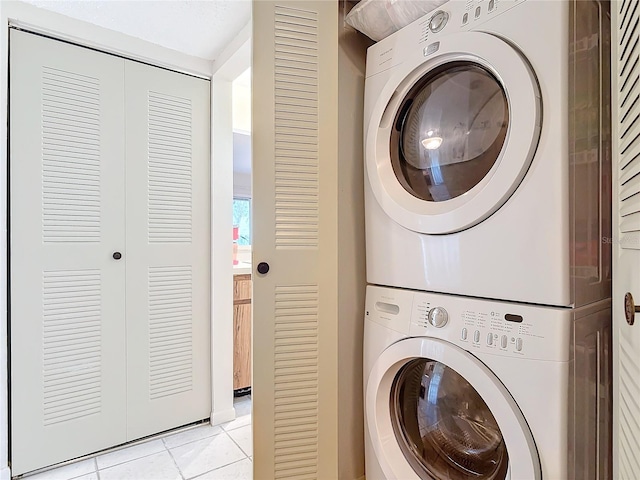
x=204 y=452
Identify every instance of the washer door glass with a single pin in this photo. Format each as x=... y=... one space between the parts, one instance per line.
x=449 y=131
x=445 y=429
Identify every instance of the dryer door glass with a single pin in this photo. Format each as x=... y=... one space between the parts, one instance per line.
x=443 y=426
x=449 y=131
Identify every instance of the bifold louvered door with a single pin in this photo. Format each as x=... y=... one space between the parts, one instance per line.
x=168 y=248
x=104 y=350
x=295 y=231
x=625 y=56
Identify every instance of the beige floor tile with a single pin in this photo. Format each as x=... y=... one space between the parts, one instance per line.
x=130 y=453
x=242 y=470
x=159 y=466
x=242 y=436
x=191 y=435
x=205 y=455
x=239 y=422
x=66 y=472
x=242 y=406
x=91 y=476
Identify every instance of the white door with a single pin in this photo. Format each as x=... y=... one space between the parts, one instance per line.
x=110 y=230
x=66 y=220
x=625 y=54
x=295 y=150
x=167 y=249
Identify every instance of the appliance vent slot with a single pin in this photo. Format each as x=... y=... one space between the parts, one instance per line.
x=629 y=410
x=296 y=128
x=296 y=382
x=170 y=331
x=72 y=348
x=170 y=193
x=629 y=129
x=70 y=157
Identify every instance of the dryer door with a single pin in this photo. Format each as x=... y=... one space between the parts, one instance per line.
x=450 y=140
x=434 y=411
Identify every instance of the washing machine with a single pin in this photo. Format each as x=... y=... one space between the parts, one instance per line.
x=487 y=152
x=459 y=388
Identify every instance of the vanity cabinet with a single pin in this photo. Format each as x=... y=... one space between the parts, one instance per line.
x=241 y=332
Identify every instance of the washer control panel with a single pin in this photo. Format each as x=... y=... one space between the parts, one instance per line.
x=476 y=325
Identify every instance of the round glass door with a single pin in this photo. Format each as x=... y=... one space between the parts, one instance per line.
x=449 y=131
x=445 y=429
x=449 y=138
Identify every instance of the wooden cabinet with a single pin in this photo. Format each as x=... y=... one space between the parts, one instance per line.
x=241 y=332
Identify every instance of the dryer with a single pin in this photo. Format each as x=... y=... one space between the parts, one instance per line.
x=458 y=388
x=487 y=152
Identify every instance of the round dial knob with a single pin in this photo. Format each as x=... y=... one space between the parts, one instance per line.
x=438 y=317
x=438 y=21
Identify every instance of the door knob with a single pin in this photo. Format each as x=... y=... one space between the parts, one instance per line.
x=630 y=308
x=263 y=267
x=117 y=255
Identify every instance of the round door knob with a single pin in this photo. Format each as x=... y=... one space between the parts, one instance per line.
x=630 y=308
x=263 y=267
x=117 y=255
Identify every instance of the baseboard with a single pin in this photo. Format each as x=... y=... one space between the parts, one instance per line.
x=5 y=473
x=221 y=417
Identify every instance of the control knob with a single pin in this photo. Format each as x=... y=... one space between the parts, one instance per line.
x=438 y=317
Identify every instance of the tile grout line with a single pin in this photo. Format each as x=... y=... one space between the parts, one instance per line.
x=131 y=460
x=217 y=468
x=222 y=466
x=237 y=444
x=95 y=463
x=173 y=460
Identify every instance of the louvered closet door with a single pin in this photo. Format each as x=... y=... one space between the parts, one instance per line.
x=625 y=55
x=167 y=249
x=295 y=231
x=67 y=293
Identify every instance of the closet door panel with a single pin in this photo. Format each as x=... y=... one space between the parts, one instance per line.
x=66 y=220
x=167 y=249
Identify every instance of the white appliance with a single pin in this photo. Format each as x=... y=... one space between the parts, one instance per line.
x=458 y=388
x=487 y=152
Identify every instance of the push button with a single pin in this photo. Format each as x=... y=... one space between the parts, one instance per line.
x=476 y=336
x=503 y=341
x=463 y=334
x=519 y=344
x=490 y=339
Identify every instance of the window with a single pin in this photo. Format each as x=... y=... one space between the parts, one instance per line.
x=242 y=218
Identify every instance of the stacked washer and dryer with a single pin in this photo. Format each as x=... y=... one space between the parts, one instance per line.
x=487 y=199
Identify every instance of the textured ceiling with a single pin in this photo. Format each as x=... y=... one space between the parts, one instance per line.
x=199 y=28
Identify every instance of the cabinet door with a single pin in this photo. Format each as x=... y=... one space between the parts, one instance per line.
x=66 y=220
x=167 y=249
x=241 y=346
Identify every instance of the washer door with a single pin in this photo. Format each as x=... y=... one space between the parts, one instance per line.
x=450 y=141
x=434 y=411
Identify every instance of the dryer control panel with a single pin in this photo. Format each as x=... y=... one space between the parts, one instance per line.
x=477 y=325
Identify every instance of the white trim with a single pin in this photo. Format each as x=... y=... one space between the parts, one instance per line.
x=59 y=26
x=86 y=34
x=221 y=417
